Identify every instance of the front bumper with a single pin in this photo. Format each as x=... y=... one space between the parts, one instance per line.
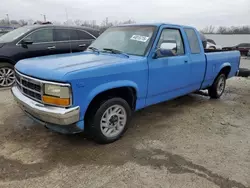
x=45 y=113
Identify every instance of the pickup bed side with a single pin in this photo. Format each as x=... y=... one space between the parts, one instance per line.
x=220 y=61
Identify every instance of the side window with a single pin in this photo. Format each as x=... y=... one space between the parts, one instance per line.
x=84 y=36
x=193 y=41
x=172 y=37
x=62 y=35
x=73 y=35
x=42 y=35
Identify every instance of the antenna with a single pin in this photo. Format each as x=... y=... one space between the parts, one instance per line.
x=67 y=20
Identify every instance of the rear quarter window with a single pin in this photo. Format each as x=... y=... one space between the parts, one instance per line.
x=193 y=41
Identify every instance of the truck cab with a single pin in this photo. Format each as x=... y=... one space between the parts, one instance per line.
x=125 y=69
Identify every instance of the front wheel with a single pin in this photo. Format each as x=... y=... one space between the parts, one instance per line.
x=218 y=87
x=110 y=120
x=7 y=75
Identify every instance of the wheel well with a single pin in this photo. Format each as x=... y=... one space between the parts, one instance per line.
x=6 y=60
x=226 y=70
x=126 y=93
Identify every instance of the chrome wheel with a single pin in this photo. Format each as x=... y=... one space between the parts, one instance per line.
x=113 y=121
x=7 y=77
x=221 y=85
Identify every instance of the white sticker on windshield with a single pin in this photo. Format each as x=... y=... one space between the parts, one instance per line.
x=139 y=38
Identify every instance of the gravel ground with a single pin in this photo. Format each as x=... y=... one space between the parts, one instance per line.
x=188 y=142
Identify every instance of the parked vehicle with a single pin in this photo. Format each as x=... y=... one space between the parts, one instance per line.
x=126 y=69
x=248 y=54
x=243 y=48
x=212 y=45
x=243 y=72
x=40 y=40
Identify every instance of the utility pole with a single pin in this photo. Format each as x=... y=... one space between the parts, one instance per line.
x=44 y=17
x=107 y=21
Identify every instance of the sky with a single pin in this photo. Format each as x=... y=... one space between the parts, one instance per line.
x=199 y=13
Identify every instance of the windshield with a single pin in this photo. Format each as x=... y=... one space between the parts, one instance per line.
x=12 y=35
x=132 y=40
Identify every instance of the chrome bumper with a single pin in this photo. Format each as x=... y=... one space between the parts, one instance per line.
x=237 y=73
x=45 y=113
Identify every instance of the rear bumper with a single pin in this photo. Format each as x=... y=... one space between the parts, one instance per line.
x=44 y=113
x=237 y=73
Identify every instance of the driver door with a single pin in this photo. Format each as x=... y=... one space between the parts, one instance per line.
x=43 y=44
x=168 y=74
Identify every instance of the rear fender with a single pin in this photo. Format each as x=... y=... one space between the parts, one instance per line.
x=227 y=64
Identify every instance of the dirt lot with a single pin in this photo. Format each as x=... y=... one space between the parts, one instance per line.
x=189 y=142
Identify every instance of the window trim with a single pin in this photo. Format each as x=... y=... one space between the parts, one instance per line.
x=18 y=43
x=183 y=42
x=94 y=37
x=189 y=41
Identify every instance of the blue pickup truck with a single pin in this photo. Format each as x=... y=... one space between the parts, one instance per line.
x=127 y=68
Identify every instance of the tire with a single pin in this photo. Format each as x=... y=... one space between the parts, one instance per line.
x=103 y=125
x=244 y=72
x=218 y=87
x=7 y=75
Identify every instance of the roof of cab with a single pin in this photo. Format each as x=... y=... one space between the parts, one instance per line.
x=156 y=24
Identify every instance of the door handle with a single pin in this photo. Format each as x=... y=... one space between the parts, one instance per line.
x=82 y=45
x=186 y=61
x=51 y=47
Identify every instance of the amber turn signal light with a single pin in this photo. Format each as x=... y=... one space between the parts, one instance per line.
x=56 y=101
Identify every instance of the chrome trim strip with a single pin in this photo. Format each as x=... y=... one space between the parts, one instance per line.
x=18 y=43
x=48 y=114
x=21 y=85
x=41 y=81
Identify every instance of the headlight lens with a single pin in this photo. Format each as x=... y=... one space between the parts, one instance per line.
x=56 y=95
x=57 y=91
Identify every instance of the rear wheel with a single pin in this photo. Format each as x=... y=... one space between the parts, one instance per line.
x=7 y=75
x=218 y=87
x=108 y=123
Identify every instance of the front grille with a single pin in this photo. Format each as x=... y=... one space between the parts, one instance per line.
x=29 y=87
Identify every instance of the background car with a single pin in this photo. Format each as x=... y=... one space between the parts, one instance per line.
x=248 y=54
x=212 y=45
x=40 y=40
x=243 y=48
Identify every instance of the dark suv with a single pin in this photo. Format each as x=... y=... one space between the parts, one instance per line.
x=40 y=40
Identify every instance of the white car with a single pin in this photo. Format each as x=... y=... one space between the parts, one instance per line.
x=248 y=54
x=212 y=45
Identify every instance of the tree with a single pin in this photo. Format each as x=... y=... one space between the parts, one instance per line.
x=22 y=23
x=78 y=22
x=209 y=29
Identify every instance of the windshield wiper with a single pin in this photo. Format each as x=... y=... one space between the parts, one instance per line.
x=94 y=49
x=114 y=51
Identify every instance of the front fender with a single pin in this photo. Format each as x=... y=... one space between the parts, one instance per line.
x=110 y=85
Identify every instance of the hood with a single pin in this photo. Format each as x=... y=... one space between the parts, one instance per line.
x=56 y=66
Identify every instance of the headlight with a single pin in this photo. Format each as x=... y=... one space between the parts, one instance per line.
x=56 y=95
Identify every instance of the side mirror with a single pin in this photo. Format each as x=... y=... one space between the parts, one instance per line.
x=26 y=41
x=167 y=49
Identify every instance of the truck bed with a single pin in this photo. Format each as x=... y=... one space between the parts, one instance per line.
x=216 y=60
